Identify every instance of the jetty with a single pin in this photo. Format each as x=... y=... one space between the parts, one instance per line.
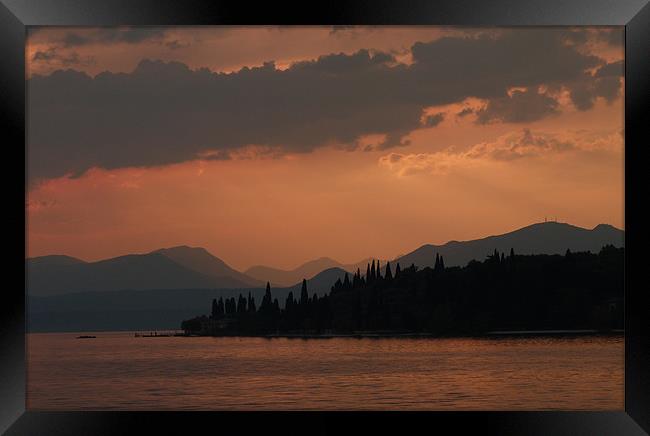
x=157 y=334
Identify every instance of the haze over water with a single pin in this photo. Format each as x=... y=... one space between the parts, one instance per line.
x=118 y=371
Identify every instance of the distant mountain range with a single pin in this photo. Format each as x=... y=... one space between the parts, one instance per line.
x=321 y=283
x=281 y=277
x=169 y=268
x=541 y=238
x=195 y=268
x=153 y=309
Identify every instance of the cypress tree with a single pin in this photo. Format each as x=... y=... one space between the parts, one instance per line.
x=372 y=271
x=389 y=274
x=304 y=296
x=221 y=307
x=368 y=273
x=267 y=300
x=442 y=264
x=230 y=302
x=397 y=270
x=512 y=253
x=241 y=304
x=346 y=282
x=214 y=308
x=437 y=265
x=288 y=305
x=251 y=305
x=378 y=271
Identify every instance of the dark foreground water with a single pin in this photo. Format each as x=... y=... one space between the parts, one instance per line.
x=118 y=371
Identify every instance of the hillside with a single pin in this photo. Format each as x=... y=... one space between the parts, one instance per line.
x=175 y=268
x=540 y=238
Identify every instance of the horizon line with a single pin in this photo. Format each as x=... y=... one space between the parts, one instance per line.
x=144 y=253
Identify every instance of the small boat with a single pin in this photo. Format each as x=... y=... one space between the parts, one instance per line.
x=86 y=337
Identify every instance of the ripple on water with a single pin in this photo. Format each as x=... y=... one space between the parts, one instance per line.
x=118 y=372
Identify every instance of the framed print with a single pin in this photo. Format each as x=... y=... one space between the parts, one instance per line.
x=306 y=218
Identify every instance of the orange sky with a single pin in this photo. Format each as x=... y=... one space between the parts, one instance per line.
x=458 y=179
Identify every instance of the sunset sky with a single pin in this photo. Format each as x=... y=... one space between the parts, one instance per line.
x=279 y=145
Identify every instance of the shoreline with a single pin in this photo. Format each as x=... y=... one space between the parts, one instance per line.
x=413 y=335
x=358 y=335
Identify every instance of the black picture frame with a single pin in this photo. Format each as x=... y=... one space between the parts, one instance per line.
x=17 y=15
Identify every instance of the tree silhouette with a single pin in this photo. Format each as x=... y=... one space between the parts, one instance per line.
x=267 y=300
x=304 y=296
x=289 y=302
x=579 y=290
x=221 y=308
x=241 y=304
x=356 y=280
x=251 y=303
x=439 y=265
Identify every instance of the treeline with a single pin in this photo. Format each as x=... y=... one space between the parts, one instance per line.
x=504 y=292
x=240 y=316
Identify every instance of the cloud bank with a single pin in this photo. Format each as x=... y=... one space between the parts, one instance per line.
x=511 y=146
x=163 y=112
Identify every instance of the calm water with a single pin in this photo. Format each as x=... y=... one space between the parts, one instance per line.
x=119 y=371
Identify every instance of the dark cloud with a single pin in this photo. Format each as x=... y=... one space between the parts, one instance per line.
x=605 y=83
x=465 y=112
x=164 y=113
x=517 y=146
x=44 y=56
x=615 y=37
x=614 y=69
x=582 y=96
x=434 y=120
x=176 y=44
x=217 y=155
x=112 y=35
x=518 y=107
x=53 y=56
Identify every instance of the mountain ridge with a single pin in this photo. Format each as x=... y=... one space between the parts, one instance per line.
x=281 y=277
x=539 y=238
x=171 y=268
x=183 y=267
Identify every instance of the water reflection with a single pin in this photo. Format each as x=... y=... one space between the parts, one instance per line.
x=118 y=371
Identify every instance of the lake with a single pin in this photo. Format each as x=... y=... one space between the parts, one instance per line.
x=117 y=371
